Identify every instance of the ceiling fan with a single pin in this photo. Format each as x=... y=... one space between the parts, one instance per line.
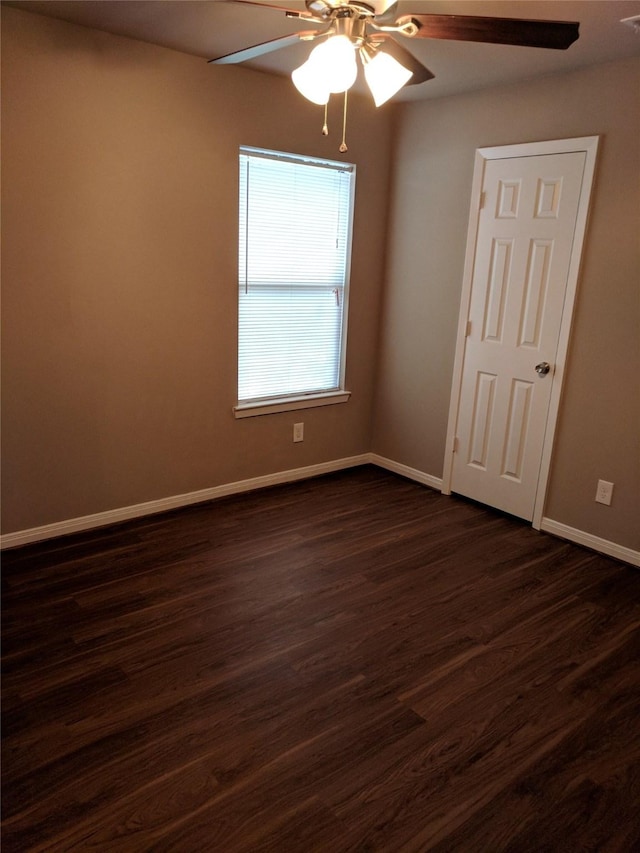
x=344 y=27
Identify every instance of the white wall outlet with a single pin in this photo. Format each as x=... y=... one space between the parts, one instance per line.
x=604 y=492
x=298 y=432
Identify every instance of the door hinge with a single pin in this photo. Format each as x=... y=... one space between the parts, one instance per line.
x=456 y=444
x=468 y=329
x=483 y=199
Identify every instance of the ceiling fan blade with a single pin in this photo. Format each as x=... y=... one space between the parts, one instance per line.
x=264 y=47
x=405 y=58
x=551 y=34
x=290 y=13
x=389 y=15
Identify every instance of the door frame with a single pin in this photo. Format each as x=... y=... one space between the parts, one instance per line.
x=588 y=145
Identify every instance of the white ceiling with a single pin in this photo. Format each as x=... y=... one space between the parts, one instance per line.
x=210 y=28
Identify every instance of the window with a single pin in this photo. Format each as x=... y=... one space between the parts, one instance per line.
x=294 y=252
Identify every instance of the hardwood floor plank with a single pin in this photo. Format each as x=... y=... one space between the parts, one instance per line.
x=352 y=663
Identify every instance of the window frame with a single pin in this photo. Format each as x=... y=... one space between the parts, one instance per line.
x=313 y=398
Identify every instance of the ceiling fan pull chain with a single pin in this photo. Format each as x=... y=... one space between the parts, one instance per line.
x=343 y=144
x=325 y=126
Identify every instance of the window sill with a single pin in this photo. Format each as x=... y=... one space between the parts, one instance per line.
x=290 y=404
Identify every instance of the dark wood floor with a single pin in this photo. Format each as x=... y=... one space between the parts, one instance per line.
x=350 y=663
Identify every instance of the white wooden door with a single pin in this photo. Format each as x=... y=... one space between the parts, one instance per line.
x=523 y=253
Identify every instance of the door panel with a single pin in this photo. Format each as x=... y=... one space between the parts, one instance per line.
x=522 y=258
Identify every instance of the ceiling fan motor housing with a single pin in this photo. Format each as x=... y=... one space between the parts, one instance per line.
x=352 y=27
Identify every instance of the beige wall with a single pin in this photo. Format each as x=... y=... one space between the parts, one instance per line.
x=119 y=273
x=599 y=427
x=119 y=276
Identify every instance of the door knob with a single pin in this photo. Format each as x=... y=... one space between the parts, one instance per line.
x=543 y=368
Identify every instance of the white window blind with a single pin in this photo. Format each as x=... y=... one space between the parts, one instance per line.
x=294 y=252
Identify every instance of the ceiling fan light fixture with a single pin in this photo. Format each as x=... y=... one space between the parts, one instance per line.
x=384 y=74
x=357 y=26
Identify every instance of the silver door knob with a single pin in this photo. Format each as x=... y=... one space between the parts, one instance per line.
x=543 y=368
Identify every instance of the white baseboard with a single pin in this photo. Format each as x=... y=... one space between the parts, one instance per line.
x=101 y=519
x=406 y=471
x=604 y=546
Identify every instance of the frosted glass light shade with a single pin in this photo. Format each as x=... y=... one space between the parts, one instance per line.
x=309 y=81
x=331 y=68
x=385 y=76
x=336 y=57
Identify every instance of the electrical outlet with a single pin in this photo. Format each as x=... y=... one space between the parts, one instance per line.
x=298 y=432
x=604 y=492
